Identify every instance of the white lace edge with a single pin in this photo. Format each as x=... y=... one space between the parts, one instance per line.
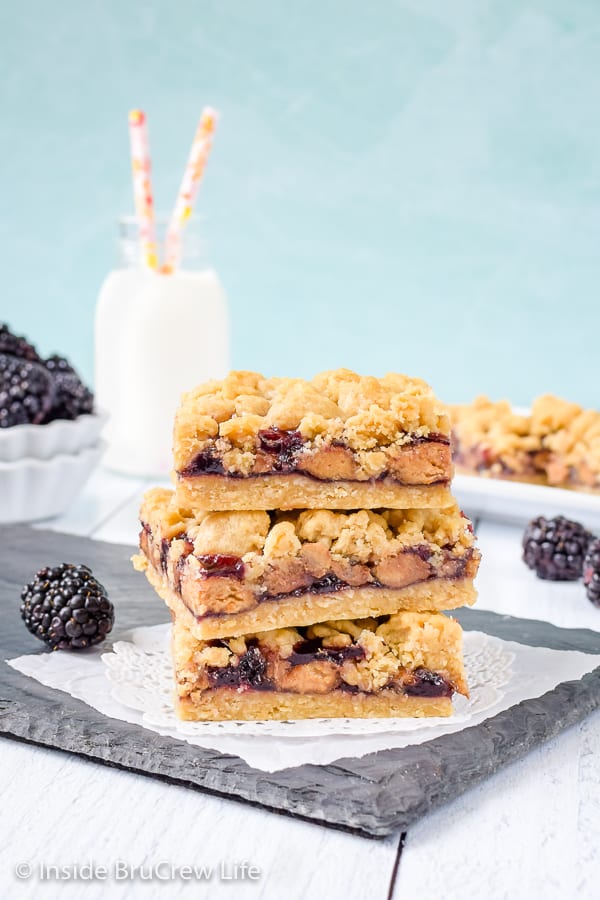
x=140 y=672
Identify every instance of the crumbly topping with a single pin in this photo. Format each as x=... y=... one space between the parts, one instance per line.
x=363 y=412
x=567 y=431
x=486 y=423
x=380 y=665
x=258 y=538
x=230 y=532
x=392 y=646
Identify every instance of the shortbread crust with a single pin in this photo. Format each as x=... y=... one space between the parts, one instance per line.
x=218 y=492
x=306 y=609
x=222 y=704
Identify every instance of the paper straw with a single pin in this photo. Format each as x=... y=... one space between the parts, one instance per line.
x=188 y=189
x=142 y=187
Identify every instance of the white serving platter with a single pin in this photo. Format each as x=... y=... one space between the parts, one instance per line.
x=517 y=502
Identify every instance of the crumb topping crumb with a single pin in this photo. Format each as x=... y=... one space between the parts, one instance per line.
x=365 y=536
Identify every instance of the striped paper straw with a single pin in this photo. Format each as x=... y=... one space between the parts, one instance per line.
x=188 y=189
x=142 y=187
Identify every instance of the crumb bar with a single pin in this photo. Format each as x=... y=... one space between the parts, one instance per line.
x=241 y=572
x=408 y=664
x=556 y=444
x=340 y=441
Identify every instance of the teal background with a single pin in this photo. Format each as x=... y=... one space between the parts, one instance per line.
x=394 y=185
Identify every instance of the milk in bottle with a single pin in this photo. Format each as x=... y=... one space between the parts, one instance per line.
x=156 y=336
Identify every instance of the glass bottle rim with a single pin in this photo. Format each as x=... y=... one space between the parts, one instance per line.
x=160 y=219
x=193 y=247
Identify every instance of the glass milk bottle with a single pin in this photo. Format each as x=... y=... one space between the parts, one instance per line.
x=156 y=336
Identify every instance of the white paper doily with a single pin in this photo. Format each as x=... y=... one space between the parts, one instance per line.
x=133 y=683
x=141 y=675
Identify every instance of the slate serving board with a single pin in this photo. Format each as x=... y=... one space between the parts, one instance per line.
x=374 y=796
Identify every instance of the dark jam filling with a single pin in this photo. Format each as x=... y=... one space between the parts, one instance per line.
x=434 y=437
x=481 y=459
x=165 y=545
x=284 y=447
x=424 y=551
x=148 y=543
x=311 y=650
x=222 y=565
x=188 y=549
x=206 y=463
x=328 y=584
x=426 y=683
x=250 y=672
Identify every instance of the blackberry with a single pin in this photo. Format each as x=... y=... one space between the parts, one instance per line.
x=26 y=392
x=555 y=548
x=17 y=346
x=58 y=365
x=66 y=607
x=591 y=572
x=72 y=397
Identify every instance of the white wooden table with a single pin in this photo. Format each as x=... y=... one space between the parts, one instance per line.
x=530 y=831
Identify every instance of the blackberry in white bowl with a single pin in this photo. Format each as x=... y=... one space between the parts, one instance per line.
x=45 y=408
x=49 y=431
x=71 y=397
x=16 y=345
x=27 y=392
x=65 y=395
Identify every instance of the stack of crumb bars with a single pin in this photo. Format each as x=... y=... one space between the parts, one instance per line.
x=308 y=549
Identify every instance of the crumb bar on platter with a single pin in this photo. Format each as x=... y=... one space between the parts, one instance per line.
x=556 y=444
x=248 y=571
x=340 y=441
x=408 y=664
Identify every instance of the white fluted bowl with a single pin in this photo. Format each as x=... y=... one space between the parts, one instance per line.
x=32 y=489
x=62 y=436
